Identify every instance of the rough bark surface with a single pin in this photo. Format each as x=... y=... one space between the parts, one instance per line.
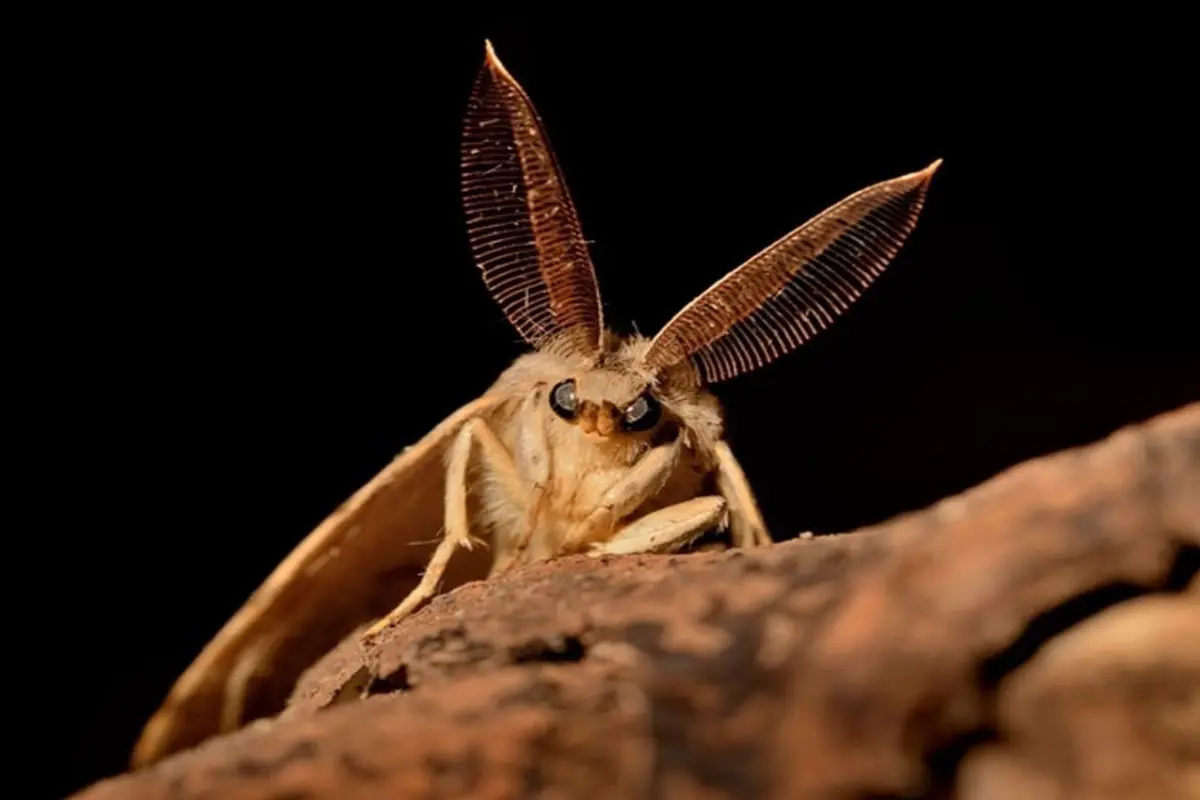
x=1037 y=636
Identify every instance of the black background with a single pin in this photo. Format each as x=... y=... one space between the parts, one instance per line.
x=256 y=286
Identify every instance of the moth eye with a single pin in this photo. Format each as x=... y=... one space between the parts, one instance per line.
x=642 y=414
x=563 y=400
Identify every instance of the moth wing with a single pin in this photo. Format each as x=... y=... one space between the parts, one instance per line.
x=354 y=567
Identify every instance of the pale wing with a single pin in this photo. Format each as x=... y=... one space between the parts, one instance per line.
x=523 y=227
x=795 y=288
x=355 y=566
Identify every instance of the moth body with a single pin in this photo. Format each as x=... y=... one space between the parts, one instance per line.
x=567 y=467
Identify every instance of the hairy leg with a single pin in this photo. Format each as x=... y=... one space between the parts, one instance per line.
x=644 y=480
x=747 y=528
x=509 y=558
x=666 y=529
x=423 y=591
x=533 y=454
x=498 y=463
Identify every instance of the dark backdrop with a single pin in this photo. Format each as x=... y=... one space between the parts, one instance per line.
x=262 y=289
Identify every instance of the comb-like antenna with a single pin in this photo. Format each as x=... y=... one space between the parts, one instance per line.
x=785 y=295
x=523 y=227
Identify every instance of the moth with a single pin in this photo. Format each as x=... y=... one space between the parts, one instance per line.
x=591 y=442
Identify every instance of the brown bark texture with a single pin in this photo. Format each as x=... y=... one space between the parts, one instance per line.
x=1037 y=636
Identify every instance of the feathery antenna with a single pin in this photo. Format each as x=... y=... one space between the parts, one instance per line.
x=523 y=227
x=789 y=292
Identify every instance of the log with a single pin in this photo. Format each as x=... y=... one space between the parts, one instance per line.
x=1037 y=636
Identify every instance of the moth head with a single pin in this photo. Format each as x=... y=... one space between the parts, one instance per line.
x=530 y=248
x=610 y=397
x=578 y=403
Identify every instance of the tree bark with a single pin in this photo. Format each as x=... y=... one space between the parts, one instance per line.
x=1037 y=637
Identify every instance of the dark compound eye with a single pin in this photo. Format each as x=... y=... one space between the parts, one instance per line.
x=563 y=400
x=642 y=414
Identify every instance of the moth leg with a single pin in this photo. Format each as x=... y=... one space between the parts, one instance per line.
x=643 y=481
x=666 y=529
x=747 y=528
x=423 y=591
x=509 y=559
x=496 y=461
x=533 y=452
x=499 y=464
